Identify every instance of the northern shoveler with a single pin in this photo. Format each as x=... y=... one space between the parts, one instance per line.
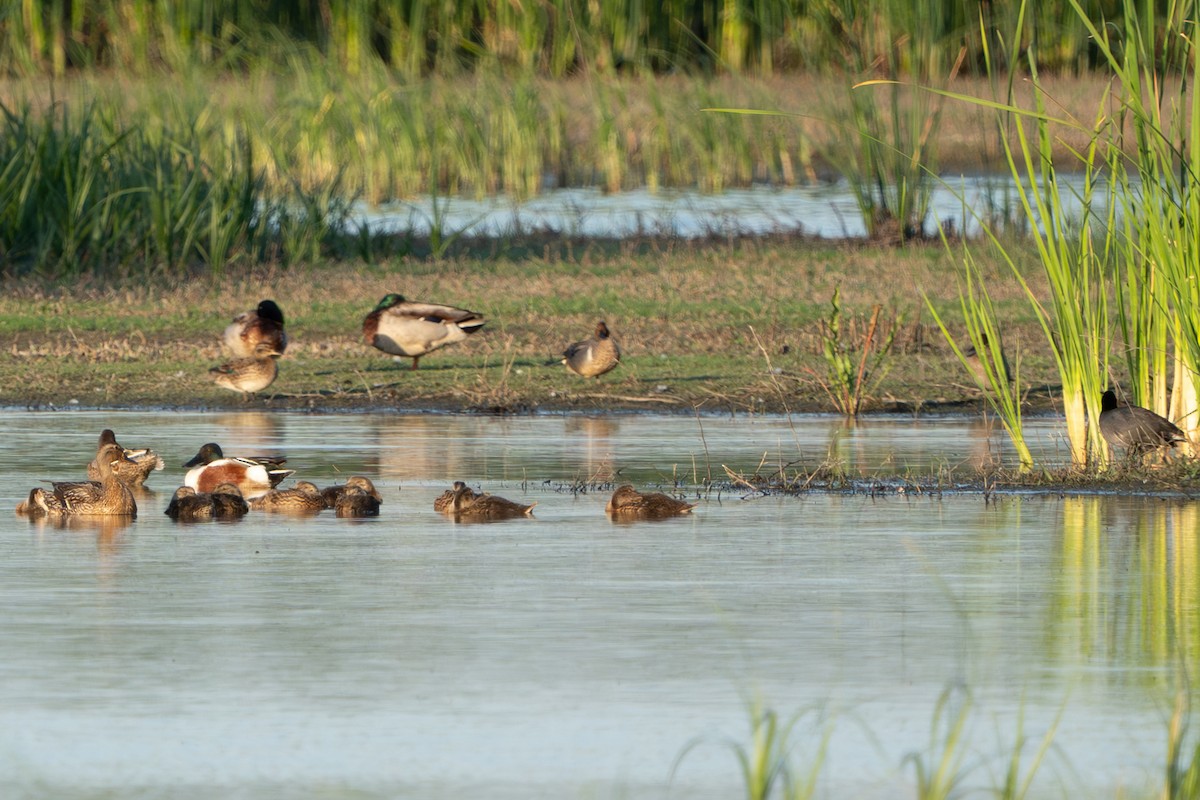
x=628 y=501
x=109 y=496
x=593 y=357
x=146 y=460
x=248 y=375
x=263 y=325
x=403 y=328
x=1135 y=429
x=252 y=476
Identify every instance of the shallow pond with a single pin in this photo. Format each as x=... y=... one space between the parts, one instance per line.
x=565 y=655
x=828 y=211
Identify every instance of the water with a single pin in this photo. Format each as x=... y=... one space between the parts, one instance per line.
x=825 y=210
x=566 y=656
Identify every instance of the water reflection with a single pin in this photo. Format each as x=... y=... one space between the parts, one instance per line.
x=1129 y=586
x=410 y=651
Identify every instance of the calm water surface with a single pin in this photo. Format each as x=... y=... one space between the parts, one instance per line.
x=565 y=656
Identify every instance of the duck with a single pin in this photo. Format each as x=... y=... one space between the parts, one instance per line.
x=355 y=502
x=303 y=498
x=228 y=502
x=975 y=364
x=354 y=482
x=593 y=357
x=263 y=325
x=249 y=375
x=1135 y=429
x=444 y=503
x=209 y=468
x=147 y=461
x=402 y=327
x=186 y=505
x=465 y=503
x=628 y=501
x=109 y=496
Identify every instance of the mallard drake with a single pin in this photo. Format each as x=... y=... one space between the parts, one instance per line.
x=1135 y=429
x=332 y=493
x=263 y=325
x=403 y=328
x=466 y=504
x=303 y=498
x=146 y=460
x=593 y=357
x=252 y=476
x=107 y=497
x=444 y=502
x=355 y=502
x=628 y=501
x=248 y=375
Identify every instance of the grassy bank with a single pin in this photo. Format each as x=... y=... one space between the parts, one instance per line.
x=720 y=326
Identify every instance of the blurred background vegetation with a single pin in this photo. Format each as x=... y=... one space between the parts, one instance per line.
x=552 y=38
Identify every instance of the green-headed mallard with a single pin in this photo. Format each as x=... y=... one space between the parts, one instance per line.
x=627 y=501
x=1135 y=429
x=146 y=460
x=108 y=496
x=248 y=375
x=403 y=328
x=593 y=357
x=252 y=476
x=303 y=498
x=263 y=325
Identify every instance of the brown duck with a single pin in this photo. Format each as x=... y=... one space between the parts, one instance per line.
x=303 y=498
x=263 y=325
x=627 y=501
x=147 y=461
x=593 y=357
x=466 y=504
x=105 y=497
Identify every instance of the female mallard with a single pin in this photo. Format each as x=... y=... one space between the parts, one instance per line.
x=263 y=325
x=444 y=502
x=466 y=504
x=303 y=498
x=403 y=328
x=249 y=375
x=108 y=496
x=975 y=364
x=355 y=502
x=1135 y=429
x=146 y=460
x=354 y=482
x=627 y=501
x=252 y=476
x=188 y=506
x=593 y=357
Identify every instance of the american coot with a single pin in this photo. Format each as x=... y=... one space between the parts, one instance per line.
x=400 y=327
x=1135 y=429
x=593 y=357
